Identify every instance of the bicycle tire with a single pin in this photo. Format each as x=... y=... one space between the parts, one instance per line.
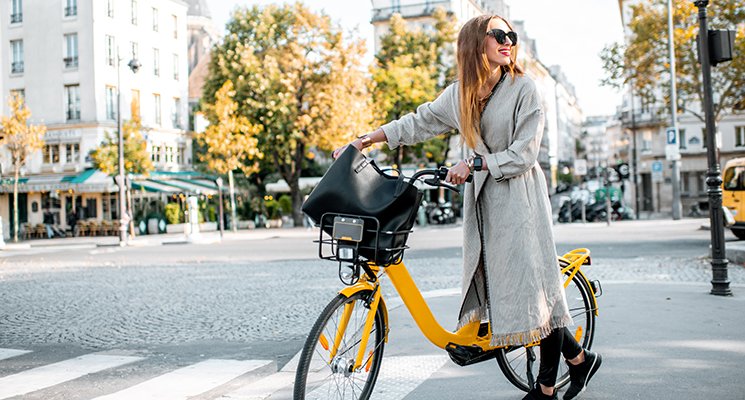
x=513 y=361
x=316 y=376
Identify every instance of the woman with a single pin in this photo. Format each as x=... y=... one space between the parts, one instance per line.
x=509 y=257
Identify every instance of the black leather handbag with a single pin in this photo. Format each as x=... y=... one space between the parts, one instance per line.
x=355 y=186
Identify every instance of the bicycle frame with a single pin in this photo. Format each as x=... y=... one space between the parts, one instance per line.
x=420 y=311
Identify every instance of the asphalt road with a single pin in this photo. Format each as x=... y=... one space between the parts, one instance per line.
x=250 y=298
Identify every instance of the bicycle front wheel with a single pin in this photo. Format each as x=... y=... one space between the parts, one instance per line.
x=326 y=367
x=513 y=361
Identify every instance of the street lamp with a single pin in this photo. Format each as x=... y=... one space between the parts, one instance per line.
x=720 y=281
x=218 y=181
x=124 y=218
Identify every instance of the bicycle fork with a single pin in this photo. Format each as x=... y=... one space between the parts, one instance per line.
x=365 y=337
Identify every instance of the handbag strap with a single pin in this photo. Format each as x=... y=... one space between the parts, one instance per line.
x=401 y=184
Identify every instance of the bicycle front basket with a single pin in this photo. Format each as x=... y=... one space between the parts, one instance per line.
x=354 y=185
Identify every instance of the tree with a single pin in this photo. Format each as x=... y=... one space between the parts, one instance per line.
x=136 y=157
x=22 y=140
x=297 y=77
x=644 y=64
x=230 y=141
x=412 y=66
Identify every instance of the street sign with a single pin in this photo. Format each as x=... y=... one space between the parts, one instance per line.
x=657 y=171
x=623 y=170
x=672 y=150
x=580 y=167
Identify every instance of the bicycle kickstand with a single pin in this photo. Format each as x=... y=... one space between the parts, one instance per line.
x=530 y=353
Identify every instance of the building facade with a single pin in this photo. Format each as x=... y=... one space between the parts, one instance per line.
x=646 y=126
x=69 y=60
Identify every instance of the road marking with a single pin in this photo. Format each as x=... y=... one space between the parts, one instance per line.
x=8 y=353
x=263 y=388
x=188 y=381
x=401 y=375
x=54 y=374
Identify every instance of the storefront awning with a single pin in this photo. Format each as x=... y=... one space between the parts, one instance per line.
x=88 y=181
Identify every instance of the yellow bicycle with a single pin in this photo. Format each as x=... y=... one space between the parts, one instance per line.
x=342 y=355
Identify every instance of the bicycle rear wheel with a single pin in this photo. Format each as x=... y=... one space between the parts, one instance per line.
x=513 y=361
x=322 y=377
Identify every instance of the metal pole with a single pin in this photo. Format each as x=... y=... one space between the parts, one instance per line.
x=607 y=195
x=233 y=217
x=221 y=216
x=674 y=110
x=122 y=205
x=633 y=161
x=719 y=281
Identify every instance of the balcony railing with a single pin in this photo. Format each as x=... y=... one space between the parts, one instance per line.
x=645 y=117
x=16 y=67
x=71 y=62
x=408 y=10
x=71 y=11
x=16 y=18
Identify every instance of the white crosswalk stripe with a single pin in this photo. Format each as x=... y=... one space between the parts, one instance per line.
x=54 y=374
x=188 y=381
x=9 y=353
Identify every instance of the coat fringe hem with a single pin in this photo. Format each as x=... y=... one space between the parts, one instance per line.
x=517 y=338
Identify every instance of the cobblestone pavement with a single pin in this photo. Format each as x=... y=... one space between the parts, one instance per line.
x=100 y=308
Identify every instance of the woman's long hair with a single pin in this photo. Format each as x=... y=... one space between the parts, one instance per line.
x=473 y=71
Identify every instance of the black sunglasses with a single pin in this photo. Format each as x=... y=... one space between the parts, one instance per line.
x=500 y=35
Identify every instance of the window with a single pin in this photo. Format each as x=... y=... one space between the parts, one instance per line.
x=72 y=153
x=110 y=8
x=18 y=92
x=156 y=62
x=176 y=115
x=180 y=159
x=110 y=50
x=50 y=152
x=734 y=178
x=169 y=154
x=647 y=141
x=682 y=139
x=703 y=136
x=16 y=11
x=156 y=107
x=135 y=50
x=739 y=136
x=175 y=67
x=71 y=50
x=71 y=8
x=155 y=154
x=135 y=103
x=72 y=102
x=110 y=102
x=91 y=208
x=175 y=26
x=134 y=12
x=155 y=20
x=16 y=50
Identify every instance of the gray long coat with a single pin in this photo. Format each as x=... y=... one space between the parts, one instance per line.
x=518 y=286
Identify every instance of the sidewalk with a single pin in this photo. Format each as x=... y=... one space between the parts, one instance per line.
x=659 y=341
x=152 y=240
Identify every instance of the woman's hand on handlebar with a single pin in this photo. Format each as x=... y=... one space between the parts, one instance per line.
x=458 y=174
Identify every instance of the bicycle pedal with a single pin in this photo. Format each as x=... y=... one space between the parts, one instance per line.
x=468 y=355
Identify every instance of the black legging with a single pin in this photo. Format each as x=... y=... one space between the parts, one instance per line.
x=559 y=341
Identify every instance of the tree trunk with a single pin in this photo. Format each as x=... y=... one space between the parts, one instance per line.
x=297 y=202
x=15 y=206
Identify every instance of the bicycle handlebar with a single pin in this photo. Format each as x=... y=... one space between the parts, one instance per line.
x=438 y=175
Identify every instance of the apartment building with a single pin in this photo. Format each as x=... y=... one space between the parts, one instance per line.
x=647 y=123
x=69 y=60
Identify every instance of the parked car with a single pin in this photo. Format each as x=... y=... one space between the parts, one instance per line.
x=733 y=194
